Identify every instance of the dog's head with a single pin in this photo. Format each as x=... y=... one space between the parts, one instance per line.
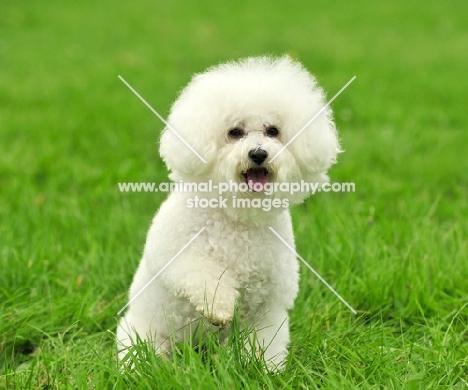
x=239 y=116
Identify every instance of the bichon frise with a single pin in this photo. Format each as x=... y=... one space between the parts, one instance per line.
x=238 y=117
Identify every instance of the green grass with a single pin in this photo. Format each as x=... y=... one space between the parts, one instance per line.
x=396 y=249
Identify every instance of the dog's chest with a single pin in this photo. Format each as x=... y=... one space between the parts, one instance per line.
x=244 y=249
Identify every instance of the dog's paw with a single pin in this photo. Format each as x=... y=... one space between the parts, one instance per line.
x=220 y=311
x=220 y=319
x=217 y=316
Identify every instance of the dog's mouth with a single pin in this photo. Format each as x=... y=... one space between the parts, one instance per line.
x=256 y=178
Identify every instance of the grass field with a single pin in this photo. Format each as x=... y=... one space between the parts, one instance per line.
x=396 y=249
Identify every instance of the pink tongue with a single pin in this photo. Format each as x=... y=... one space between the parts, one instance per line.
x=256 y=179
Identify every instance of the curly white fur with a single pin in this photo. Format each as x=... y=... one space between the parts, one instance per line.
x=237 y=260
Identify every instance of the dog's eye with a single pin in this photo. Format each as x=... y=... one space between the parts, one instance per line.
x=272 y=131
x=236 y=133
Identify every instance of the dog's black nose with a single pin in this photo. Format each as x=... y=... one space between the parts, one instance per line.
x=258 y=155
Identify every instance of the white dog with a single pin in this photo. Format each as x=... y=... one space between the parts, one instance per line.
x=237 y=116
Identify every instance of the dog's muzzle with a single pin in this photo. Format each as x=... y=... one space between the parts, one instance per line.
x=257 y=177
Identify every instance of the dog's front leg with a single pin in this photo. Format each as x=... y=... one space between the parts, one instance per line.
x=206 y=284
x=270 y=338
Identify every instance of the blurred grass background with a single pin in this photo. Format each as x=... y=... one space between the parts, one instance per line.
x=70 y=131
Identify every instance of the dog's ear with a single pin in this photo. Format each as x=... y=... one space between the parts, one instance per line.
x=185 y=155
x=317 y=147
x=189 y=145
